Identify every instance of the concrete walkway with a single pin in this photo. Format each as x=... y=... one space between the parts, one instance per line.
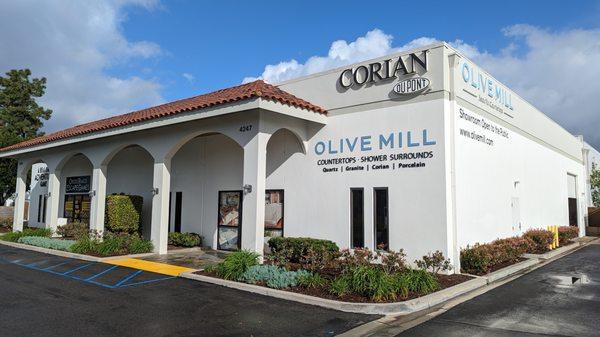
x=193 y=258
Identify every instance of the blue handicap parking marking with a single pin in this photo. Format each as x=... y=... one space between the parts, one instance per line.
x=95 y=273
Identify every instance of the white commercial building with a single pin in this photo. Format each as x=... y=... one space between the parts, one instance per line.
x=420 y=150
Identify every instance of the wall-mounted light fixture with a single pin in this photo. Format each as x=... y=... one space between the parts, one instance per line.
x=154 y=191
x=92 y=193
x=247 y=189
x=48 y=194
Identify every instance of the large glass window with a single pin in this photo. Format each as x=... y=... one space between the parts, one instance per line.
x=357 y=217
x=77 y=208
x=382 y=232
x=273 y=213
x=230 y=220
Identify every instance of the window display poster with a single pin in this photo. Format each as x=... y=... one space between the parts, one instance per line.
x=230 y=209
x=273 y=213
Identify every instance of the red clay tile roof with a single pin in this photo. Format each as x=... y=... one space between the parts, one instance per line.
x=241 y=92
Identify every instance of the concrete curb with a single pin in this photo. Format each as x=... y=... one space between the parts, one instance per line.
x=405 y=307
x=510 y=270
x=556 y=252
x=60 y=253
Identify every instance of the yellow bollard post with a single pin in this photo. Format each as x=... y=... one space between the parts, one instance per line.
x=551 y=245
x=556 y=236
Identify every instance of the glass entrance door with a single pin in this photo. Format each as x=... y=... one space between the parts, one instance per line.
x=77 y=208
x=229 y=234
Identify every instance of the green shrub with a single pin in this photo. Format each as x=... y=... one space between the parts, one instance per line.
x=84 y=245
x=541 y=239
x=312 y=281
x=415 y=280
x=123 y=213
x=112 y=244
x=372 y=282
x=76 y=230
x=434 y=262
x=236 y=264
x=185 y=239
x=312 y=254
x=14 y=236
x=340 y=286
x=273 y=276
x=566 y=234
x=45 y=242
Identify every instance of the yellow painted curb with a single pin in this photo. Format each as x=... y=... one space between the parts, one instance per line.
x=155 y=267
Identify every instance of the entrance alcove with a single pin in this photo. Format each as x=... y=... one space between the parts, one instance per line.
x=130 y=171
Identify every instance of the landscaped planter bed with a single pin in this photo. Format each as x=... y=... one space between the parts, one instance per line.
x=445 y=281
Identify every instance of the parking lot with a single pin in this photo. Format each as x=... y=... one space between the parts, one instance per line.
x=53 y=296
x=561 y=298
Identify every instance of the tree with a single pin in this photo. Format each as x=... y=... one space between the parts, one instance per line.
x=595 y=182
x=21 y=118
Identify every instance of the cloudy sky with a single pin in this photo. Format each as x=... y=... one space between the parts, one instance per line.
x=109 y=57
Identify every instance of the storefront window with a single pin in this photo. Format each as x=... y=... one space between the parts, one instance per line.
x=77 y=208
x=382 y=233
x=230 y=220
x=357 y=218
x=77 y=199
x=273 y=213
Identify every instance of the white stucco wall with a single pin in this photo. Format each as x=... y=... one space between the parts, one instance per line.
x=512 y=170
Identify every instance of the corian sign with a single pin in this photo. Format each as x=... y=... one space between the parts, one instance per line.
x=411 y=85
x=383 y=70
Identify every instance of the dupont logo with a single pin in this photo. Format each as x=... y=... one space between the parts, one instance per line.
x=412 y=85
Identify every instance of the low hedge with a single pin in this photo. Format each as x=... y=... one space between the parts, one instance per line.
x=566 y=234
x=479 y=259
x=50 y=243
x=296 y=249
x=123 y=213
x=185 y=239
x=15 y=236
x=541 y=239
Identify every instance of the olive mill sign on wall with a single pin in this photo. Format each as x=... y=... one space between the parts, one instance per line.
x=412 y=85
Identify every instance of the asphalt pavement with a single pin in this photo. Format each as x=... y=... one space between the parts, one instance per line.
x=561 y=298
x=45 y=295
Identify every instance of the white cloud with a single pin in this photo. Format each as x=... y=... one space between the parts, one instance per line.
x=375 y=43
x=74 y=44
x=555 y=71
x=189 y=77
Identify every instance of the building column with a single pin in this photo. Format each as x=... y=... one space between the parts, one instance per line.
x=160 y=206
x=253 y=205
x=98 y=199
x=19 y=207
x=53 y=200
